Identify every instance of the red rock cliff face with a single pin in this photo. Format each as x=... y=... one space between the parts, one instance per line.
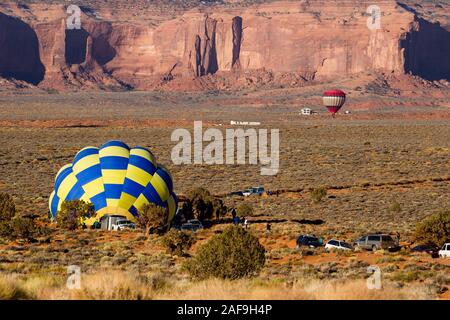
x=314 y=39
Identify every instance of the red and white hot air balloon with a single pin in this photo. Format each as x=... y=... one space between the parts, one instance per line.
x=333 y=100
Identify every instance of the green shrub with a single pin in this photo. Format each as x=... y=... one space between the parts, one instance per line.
x=201 y=204
x=12 y=225
x=7 y=207
x=219 y=208
x=434 y=229
x=244 y=210
x=151 y=217
x=176 y=242
x=318 y=194
x=233 y=254
x=72 y=214
x=24 y=228
x=395 y=207
x=20 y=227
x=198 y=205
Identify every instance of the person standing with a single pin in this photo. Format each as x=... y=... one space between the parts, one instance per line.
x=268 y=228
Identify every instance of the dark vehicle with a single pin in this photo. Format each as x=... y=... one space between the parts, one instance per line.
x=192 y=225
x=427 y=248
x=376 y=242
x=254 y=190
x=308 y=241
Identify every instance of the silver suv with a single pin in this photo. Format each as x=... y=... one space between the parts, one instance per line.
x=376 y=241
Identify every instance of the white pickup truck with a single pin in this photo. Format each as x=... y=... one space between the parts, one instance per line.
x=445 y=251
x=122 y=224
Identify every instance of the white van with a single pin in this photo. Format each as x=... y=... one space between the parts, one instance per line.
x=445 y=251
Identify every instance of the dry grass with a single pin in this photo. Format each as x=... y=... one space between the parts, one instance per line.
x=125 y=286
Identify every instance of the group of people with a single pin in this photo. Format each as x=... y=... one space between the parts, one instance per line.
x=237 y=220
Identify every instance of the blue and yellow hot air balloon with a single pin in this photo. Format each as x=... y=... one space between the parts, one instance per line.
x=117 y=180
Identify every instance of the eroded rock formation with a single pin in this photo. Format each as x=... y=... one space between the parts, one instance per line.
x=317 y=40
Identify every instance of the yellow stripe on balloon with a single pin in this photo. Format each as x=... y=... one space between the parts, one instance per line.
x=112 y=203
x=66 y=185
x=114 y=151
x=141 y=201
x=63 y=168
x=94 y=187
x=111 y=176
x=172 y=209
x=138 y=175
x=50 y=199
x=144 y=154
x=86 y=162
x=126 y=201
x=85 y=198
x=160 y=187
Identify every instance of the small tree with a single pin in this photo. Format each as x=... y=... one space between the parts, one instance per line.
x=23 y=228
x=7 y=207
x=72 y=214
x=244 y=210
x=233 y=254
x=318 y=194
x=395 y=207
x=176 y=242
x=151 y=217
x=14 y=226
x=199 y=204
x=434 y=229
x=219 y=208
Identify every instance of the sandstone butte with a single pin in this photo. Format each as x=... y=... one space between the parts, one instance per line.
x=144 y=48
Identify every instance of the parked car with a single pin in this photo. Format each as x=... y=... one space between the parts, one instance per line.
x=338 y=245
x=309 y=241
x=445 y=251
x=376 y=241
x=258 y=190
x=123 y=224
x=426 y=248
x=254 y=190
x=192 y=225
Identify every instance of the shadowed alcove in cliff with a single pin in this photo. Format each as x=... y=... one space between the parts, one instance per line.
x=19 y=51
x=427 y=51
x=237 y=40
x=205 y=49
x=76 y=44
x=103 y=52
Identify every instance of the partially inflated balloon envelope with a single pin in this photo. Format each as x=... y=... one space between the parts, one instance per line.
x=117 y=180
